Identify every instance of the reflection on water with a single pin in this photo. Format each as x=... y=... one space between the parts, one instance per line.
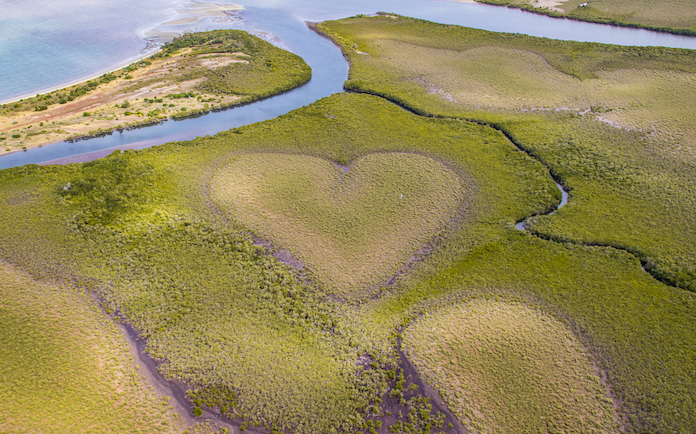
x=282 y=22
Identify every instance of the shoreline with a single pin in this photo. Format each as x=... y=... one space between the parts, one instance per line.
x=86 y=78
x=532 y=9
x=552 y=13
x=150 y=91
x=153 y=43
x=70 y=120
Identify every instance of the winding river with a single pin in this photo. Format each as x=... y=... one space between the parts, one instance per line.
x=283 y=23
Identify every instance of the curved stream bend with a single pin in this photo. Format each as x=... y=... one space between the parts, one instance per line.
x=522 y=224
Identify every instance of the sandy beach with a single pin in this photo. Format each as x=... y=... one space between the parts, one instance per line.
x=148 y=91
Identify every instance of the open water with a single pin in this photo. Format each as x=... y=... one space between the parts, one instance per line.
x=45 y=44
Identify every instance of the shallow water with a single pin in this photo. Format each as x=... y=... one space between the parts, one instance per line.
x=522 y=225
x=72 y=46
x=46 y=43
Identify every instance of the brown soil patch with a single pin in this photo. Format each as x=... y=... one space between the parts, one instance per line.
x=101 y=110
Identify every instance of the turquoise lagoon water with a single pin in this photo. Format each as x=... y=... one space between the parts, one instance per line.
x=43 y=46
x=49 y=43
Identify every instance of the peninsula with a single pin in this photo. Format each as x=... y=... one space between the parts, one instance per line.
x=193 y=74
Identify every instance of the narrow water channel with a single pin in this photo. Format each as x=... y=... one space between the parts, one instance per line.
x=522 y=225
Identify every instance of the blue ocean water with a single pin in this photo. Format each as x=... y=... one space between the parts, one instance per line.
x=45 y=44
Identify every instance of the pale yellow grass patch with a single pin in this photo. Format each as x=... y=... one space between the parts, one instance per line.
x=64 y=366
x=662 y=103
x=354 y=229
x=506 y=368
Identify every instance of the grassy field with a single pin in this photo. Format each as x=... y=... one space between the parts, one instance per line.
x=627 y=160
x=142 y=228
x=504 y=367
x=64 y=367
x=355 y=229
x=628 y=189
x=164 y=238
x=635 y=329
x=194 y=73
x=673 y=16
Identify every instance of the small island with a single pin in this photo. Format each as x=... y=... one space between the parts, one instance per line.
x=193 y=74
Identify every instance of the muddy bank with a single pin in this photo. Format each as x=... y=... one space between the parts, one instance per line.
x=175 y=390
x=411 y=373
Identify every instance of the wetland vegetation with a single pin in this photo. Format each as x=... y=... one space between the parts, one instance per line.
x=65 y=367
x=621 y=145
x=186 y=243
x=195 y=285
x=631 y=188
x=506 y=368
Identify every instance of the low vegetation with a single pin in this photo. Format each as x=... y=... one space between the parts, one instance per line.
x=628 y=164
x=354 y=225
x=64 y=367
x=193 y=74
x=642 y=181
x=504 y=367
x=164 y=239
x=673 y=16
x=139 y=227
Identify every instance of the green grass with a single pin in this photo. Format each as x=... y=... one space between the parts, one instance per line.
x=673 y=16
x=631 y=187
x=504 y=367
x=354 y=229
x=162 y=256
x=192 y=281
x=636 y=329
x=628 y=189
x=64 y=367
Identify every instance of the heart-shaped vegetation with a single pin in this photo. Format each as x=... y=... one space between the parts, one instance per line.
x=355 y=226
x=505 y=367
